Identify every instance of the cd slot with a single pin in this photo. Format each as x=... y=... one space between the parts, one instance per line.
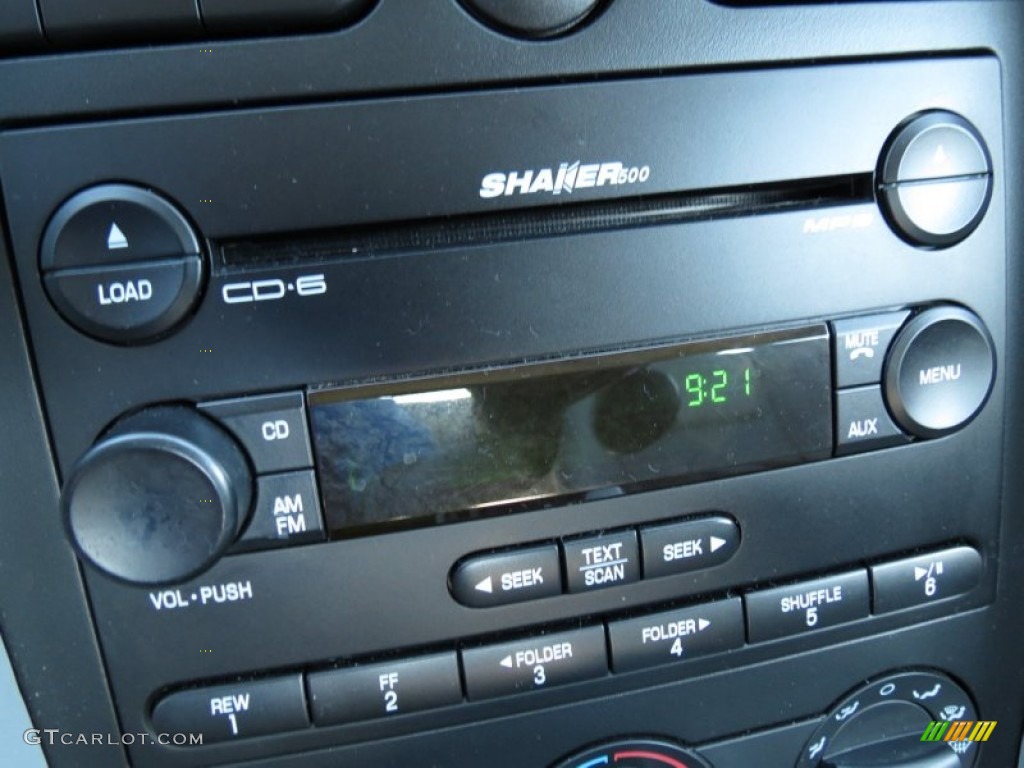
x=393 y=238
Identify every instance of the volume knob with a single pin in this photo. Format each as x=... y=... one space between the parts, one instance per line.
x=159 y=498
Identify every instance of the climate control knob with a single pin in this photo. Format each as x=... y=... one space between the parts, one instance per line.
x=635 y=754
x=159 y=498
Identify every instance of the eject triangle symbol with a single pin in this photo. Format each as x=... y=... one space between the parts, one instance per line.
x=116 y=240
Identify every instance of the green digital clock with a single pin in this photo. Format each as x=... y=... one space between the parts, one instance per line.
x=717 y=387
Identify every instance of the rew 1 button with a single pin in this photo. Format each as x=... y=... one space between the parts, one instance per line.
x=236 y=711
x=509 y=577
x=535 y=663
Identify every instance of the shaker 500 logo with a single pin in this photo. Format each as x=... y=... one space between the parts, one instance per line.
x=565 y=178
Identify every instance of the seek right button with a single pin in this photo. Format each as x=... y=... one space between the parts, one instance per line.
x=688 y=546
x=925 y=579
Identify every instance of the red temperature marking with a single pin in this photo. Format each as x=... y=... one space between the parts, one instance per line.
x=649 y=756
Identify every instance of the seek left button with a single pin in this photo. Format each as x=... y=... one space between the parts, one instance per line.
x=484 y=581
x=240 y=710
x=127 y=303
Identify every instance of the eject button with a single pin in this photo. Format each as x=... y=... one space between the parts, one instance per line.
x=935 y=179
x=121 y=264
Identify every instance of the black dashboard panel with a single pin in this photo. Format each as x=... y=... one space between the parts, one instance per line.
x=311 y=267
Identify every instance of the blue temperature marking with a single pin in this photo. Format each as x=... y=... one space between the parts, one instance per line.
x=602 y=760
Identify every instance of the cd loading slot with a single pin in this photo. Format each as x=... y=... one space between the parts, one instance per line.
x=392 y=238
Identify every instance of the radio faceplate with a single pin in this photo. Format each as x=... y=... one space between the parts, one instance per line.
x=478 y=305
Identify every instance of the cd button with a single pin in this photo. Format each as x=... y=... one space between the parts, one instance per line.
x=485 y=581
x=241 y=710
x=807 y=606
x=287 y=512
x=925 y=579
x=384 y=690
x=271 y=427
x=665 y=638
x=688 y=546
x=602 y=561
x=535 y=663
x=861 y=344
x=863 y=423
x=129 y=302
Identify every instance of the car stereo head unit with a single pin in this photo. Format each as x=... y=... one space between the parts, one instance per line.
x=373 y=415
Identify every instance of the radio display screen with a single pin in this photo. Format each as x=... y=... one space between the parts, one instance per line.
x=421 y=452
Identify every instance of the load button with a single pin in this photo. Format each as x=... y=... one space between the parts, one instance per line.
x=128 y=302
x=485 y=581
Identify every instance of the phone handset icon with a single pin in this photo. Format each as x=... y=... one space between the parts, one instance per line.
x=868 y=352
